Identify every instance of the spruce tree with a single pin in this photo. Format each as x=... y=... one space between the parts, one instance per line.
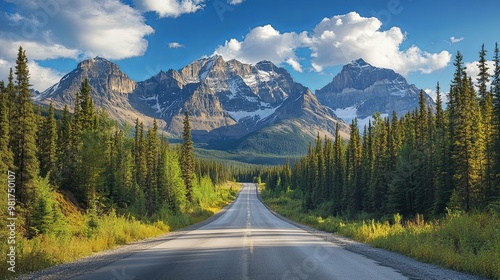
x=23 y=132
x=151 y=185
x=187 y=158
x=47 y=148
x=495 y=84
x=353 y=191
x=467 y=145
x=87 y=118
x=5 y=152
x=140 y=154
x=483 y=77
x=10 y=91
x=64 y=148
x=444 y=184
x=486 y=104
x=339 y=170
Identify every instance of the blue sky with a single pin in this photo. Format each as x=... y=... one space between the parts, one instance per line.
x=312 y=39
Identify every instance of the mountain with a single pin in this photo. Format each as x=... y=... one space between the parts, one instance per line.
x=361 y=89
x=232 y=105
x=110 y=90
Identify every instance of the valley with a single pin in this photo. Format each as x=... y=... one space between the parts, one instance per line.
x=251 y=113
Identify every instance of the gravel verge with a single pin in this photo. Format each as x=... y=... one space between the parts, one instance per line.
x=104 y=258
x=407 y=266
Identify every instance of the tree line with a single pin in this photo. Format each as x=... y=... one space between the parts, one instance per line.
x=87 y=154
x=429 y=161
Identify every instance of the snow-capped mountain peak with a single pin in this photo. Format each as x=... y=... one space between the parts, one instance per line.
x=362 y=89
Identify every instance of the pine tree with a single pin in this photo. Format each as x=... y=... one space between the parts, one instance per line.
x=483 y=77
x=151 y=185
x=353 y=191
x=339 y=169
x=467 y=145
x=5 y=153
x=171 y=183
x=47 y=148
x=187 y=158
x=64 y=147
x=23 y=132
x=486 y=105
x=367 y=166
x=444 y=184
x=495 y=83
x=10 y=91
x=87 y=118
x=140 y=154
x=376 y=196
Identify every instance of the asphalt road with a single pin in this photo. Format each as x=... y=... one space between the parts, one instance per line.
x=246 y=242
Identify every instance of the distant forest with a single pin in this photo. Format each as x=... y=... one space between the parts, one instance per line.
x=431 y=161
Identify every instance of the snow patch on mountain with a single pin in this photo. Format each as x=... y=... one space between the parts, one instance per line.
x=263 y=112
x=347 y=114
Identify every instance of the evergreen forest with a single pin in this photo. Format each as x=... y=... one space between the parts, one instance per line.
x=432 y=161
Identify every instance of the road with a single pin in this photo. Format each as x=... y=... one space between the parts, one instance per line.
x=246 y=242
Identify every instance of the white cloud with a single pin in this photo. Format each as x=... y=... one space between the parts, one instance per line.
x=341 y=39
x=41 y=77
x=235 y=2
x=295 y=64
x=36 y=50
x=175 y=45
x=71 y=29
x=336 y=41
x=264 y=43
x=433 y=94
x=472 y=70
x=107 y=28
x=454 y=40
x=170 y=8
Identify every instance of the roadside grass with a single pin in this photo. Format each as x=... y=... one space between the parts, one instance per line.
x=86 y=234
x=463 y=242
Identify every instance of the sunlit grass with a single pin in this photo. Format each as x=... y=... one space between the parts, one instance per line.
x=469 y=243
x=111 y=230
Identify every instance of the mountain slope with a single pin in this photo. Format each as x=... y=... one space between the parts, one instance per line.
x=226 y=100
x=110 y=90
x=361 y=89
x=230 y=99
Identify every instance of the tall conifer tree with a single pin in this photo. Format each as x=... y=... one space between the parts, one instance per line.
x=47 y=149
x=187 y=158
x=23 y=131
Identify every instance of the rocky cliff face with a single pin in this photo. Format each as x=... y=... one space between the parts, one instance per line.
x=225 y=99
x=110 y=89
x=361 y=89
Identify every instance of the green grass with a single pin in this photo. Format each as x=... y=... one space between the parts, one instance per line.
x=463 y=242
x=108 y=231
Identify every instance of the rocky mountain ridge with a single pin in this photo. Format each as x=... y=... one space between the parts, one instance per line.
x=225 y=99
x=361 y=89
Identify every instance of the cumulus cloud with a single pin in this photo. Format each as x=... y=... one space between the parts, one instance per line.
x=264 y=43
x=40 y=77
x=175 y=45
x=170 y=8
x=72 y=29
x=336 y=41
x=235 y=2
x=64 y=29
x=433 y=94
x=472 y=69
x=454 y=40
x=343 y=38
